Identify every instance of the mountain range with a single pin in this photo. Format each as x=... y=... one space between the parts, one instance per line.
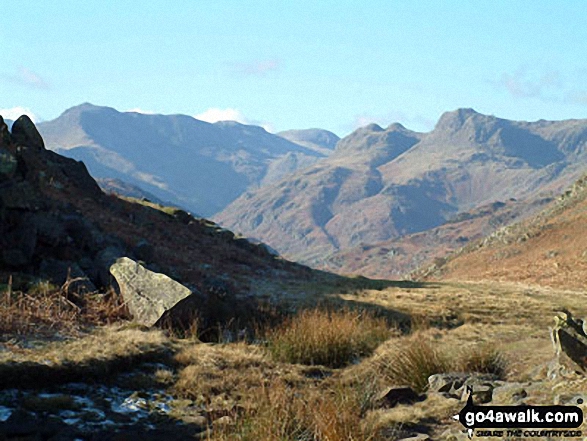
x=380 y=201
x=191 y=163
x=384 y=184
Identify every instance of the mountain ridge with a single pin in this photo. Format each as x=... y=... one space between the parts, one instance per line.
x=382 y=184
x=195 y=164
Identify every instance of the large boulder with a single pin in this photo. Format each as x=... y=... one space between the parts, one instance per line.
x=149 y=296
x=570 y=343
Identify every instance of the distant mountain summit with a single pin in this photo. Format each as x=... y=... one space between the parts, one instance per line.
x=200 y=166
x=320 y=140
x=382 y=184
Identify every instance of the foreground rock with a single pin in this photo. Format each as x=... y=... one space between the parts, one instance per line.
x=148 y=295
x=570 y=343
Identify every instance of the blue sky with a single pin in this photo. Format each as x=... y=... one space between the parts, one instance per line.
x=297 y=64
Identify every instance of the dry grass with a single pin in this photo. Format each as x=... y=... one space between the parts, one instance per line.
x=224 y=376
x=142 y=201
x=547 y=249
x=284 y=413
x=410 y=362
x=100 y=354
x=329 y=338
x=483 y=358
x=46 y=309
x=267 y=400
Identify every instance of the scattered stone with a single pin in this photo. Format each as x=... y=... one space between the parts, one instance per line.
x=454 y=384
x=224 y=421
x=570 y=400
x=510 y=393
x=196 y=420
x=393 y=396
x=148 y=295
x=482 y=393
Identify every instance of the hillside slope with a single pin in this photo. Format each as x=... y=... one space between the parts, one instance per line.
x=56 y=222
x=548 y=249
x=398 y=257
x=200 y=166
x=383 y=184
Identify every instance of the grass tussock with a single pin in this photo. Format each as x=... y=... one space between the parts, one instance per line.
x=267 y=400
x=329 y=338
x=410 y=362
x=484 y=358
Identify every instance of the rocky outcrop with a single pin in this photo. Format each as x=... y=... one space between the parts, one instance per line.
x=570 y=344
x=43 y=229
x=148 y=295
x=25 y=133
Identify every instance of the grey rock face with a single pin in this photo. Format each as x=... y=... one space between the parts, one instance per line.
x=25 y=133
x=570 y=343
x=148 y=295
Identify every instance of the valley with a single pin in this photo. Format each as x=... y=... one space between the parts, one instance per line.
x=253 y=334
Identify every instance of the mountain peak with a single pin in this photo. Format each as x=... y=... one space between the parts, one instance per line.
x=396 y=127
x=373 y=127
x=455 y=119
x=86 y=107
